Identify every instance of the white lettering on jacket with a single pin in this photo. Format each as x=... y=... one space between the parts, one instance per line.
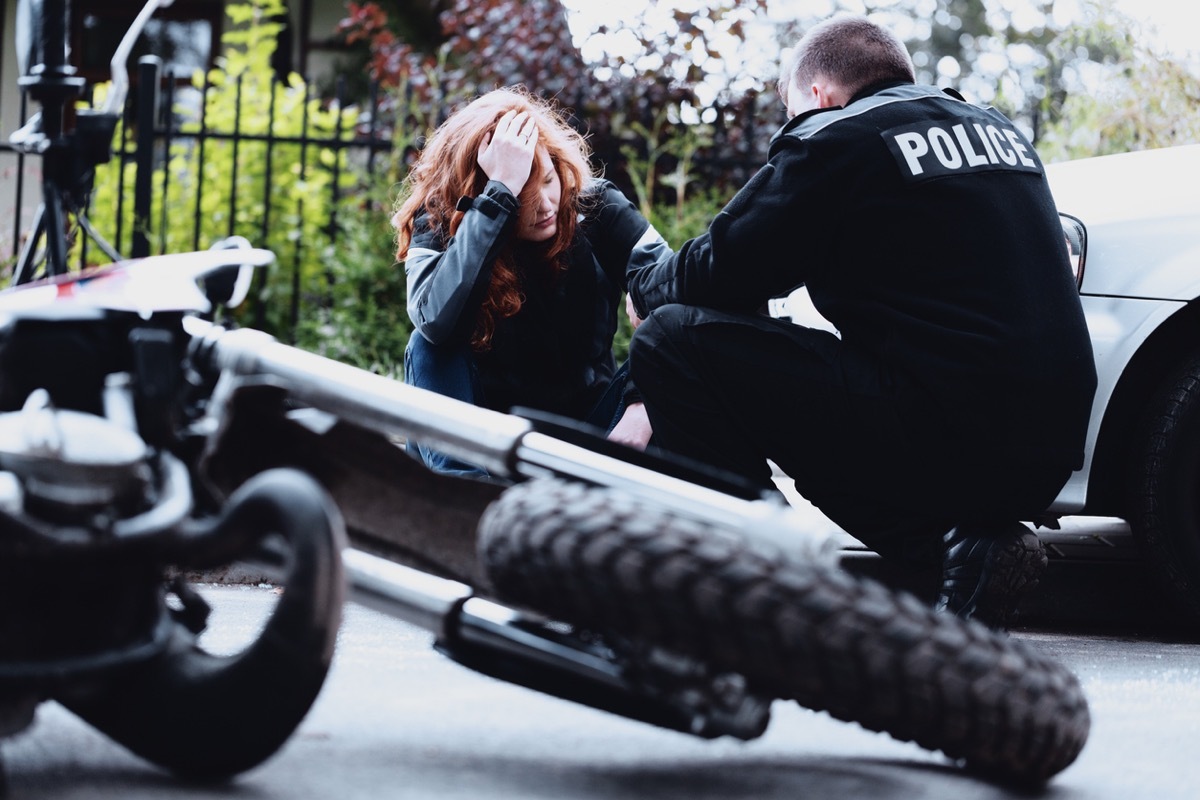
x=928 y=150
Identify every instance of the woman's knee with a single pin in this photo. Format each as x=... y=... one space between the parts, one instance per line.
x=445 y=369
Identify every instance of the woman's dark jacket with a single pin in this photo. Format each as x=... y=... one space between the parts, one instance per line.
x=555 y=354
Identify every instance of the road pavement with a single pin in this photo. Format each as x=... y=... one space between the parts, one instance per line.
x=397 y=720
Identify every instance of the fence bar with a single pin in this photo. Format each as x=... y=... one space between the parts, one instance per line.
x=169 y=115
x=265 y=227
x=16 y=243
x=298 y=255
x=83 y=238
x=373 y=127
x=121 y=160
x=201 y=137
x=335 y=188
x=233 y=179
x=147 y=115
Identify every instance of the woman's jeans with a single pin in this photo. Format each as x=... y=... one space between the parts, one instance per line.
x=450 y=371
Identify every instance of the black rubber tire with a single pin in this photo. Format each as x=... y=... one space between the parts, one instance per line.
x=1165 y=503
x=208 y=717
x=801 y=630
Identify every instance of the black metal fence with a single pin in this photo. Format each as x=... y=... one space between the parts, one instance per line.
x=335 y=161
x=158 y=130
x=143 y=209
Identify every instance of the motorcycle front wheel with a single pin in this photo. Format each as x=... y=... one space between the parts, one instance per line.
x=795 y=629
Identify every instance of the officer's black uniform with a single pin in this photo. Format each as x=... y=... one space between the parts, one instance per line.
x=925 y=231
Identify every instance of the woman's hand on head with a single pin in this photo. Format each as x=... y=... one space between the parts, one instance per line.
x=506 y=154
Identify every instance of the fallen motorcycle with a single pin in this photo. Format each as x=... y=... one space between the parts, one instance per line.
x=141 y=443
x=146 y=439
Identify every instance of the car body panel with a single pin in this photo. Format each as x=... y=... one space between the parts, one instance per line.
x=1142 y=216
x=1142 y=262
x=1145 y=185
x=1119 y=326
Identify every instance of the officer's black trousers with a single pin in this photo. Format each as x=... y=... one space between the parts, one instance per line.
x=733 y=390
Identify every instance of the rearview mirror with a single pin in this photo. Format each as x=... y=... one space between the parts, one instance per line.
x=228 y=286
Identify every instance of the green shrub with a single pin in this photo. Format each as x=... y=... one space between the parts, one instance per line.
x=364 y=320
x=217 y=187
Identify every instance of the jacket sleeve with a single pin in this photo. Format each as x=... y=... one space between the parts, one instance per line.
x=614 y=228
x=619 y=234
x=753 y=250
x=447 y=280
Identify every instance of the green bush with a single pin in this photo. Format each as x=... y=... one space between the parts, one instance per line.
x=224 y=185
x=364 y=320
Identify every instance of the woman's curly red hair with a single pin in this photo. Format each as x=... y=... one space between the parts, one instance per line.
x=447 y=170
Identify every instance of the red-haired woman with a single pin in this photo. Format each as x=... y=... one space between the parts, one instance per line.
x=515 y=255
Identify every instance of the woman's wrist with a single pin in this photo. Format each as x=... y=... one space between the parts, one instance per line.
x=496 y=197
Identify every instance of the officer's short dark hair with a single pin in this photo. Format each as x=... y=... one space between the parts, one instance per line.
x=849 y=50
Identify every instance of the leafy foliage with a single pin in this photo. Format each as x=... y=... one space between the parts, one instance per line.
x=686 y=67
x=278 y=194
x=364 y=319
x=1126 y=96
x=490 y=43
x=481 y=45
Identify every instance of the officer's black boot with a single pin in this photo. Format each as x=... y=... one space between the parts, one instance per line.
x=988 y=569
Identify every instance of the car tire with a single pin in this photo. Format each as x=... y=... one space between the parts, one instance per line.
x=1165 y=504
x=801 y=629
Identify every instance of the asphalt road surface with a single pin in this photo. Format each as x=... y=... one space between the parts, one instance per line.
x=397 y=720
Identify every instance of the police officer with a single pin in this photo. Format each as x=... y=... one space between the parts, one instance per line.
x=953 y=401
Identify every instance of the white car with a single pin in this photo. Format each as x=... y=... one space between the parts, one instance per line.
x=1133 y=223
x=1139 y=219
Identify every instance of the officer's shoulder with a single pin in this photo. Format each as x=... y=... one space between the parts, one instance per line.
x=601 y=194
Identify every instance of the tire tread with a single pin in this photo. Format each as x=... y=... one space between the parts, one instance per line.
x=795 y=629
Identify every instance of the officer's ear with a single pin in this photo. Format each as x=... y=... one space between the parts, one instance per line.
x=828 y=94
x=821 y=93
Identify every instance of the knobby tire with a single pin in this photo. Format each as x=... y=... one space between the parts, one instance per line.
x=796 y=629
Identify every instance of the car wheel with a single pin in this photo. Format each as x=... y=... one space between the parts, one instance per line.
x=1165 y=508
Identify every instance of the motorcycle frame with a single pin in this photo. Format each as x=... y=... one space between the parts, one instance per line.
x=509 y=447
